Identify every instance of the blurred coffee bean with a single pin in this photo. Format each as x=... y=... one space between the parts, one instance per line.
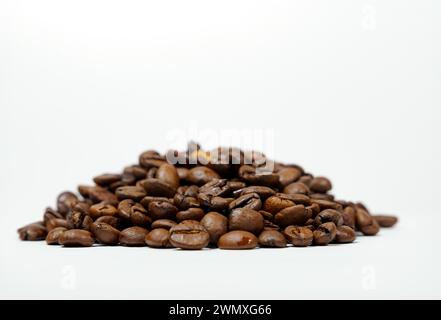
x=157 y=188
x=296 y=188
x=107 y=179
x=386 y=221
x=288 y=175
x=162 y=210
x=329 y=215
x=320 y=185
x=65 y=201
x=167 y=173
x=237 y=240
x=102 y=209
x=366 y=223
x=345 y=234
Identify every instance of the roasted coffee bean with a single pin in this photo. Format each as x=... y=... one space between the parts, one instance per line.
x=53 y=235
x=146 y=200
x=55 y=223
x=107 y=179
x=102 y=209
x=288 y=175
x=65 y=201
x=237 y=240
x=105 y=233
x=299 y=236
x=295 y=215
x=190 y=214
x=315 y=209
x=274 y=204
x=78 y=218
x=320 y=185
x=325 y=234
x=327 y=204
x=50 y=213
x=184 y=202
x=306 y=179
x=248 y=174
x=158 y=238
x=246 y=219
x=329 y=215
x=250 y=200
x=263 y=192
x=268 y=225
x=135 y=171
x=133 y=237
x=201 y=175
x=216 y=225
x=272 y=239
x=214 y=203
x=266 y=215
x=157 y=188
x=33 y=232
x=366 y=223
x=110 y=220
x=76 y=238
x=189 y=234
x=138 y=216
x=183 y=173
x=130 y=192
x=98 y=194
x=386 y=221
x=296 y=188
x=321 y=196
x=345 y=234
x=216 y=188
x=167 y=173
x=296 y=198
x=151 y=158
x=162 y=210
x=163 y=224
x=124 y=208
x=348 y=215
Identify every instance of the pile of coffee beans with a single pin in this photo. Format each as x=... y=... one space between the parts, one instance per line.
x=195 y=199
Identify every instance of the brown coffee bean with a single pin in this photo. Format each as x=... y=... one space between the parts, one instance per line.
x=189 y=234
x=133 y=237
x=348 y=216
x=130 y=192
x=65 y=201
x=296 y=188
x=139 y=216
x=345 y=234
x=274 y=204
x=329 y=215
x=150 y=159
x=320 y=185
x=157 y=188
x=315 y=209
x=76 y=238
x=263 y=192
x=183 y=173
x=33 y=232
x=50 y=213
x=295 y=215
x=137 y=172
x=98 y=194
x=366 y=223
x=78 y=218
x=266 y=215
x=107 y=179
x=53 y=235
x=55 y=223
x=110 y=220
x=216 y=188
x=250 y=200
x=158 y=238
x=190 y=214
x=306 y=179
x=272 y=239
x=163 y=224
x=105 y=233
x=325 y=234
x=386 y=221
x=167 y=173
x=237 y=240
x=246 y=219
x=102 y=209
x=146 y=200
x=327 y=204
x=162 y=210
x=216 y=225
x=248 y=174
x=268 y=225
x=299 y=236
x=213 y=203
x=201 y=175
x=288 y=175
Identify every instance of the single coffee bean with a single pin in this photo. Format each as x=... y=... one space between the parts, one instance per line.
x=306 y=179
x=263 y=192
x=321 y=196
x=348 y=215
x=288 y=175
x=124 y=208
x=320 y=185
x=326 y=204
x=76 y=238
x=183 y=173
x=266 y=215
x=146 y=200
x=299 y=236
x=50 y=213
x=139 y=216
x=167 y=173
x=250 y=200
x=102 y=209
x=296 y=188
x=325 y=234
x=201 y=175
x=150 y=159
x=107 y=179
x=190 y=214
x=345 y=234
x=33 y=232
x=214 y=203
x=315 y=209
x=216 y=188
x=268 y=225
x=362 y=206
x=110 y=220
x=246 y=219
x=105 y=233
x=98 y=194
x=133 y=237
x=366 y=223
x=295 y=215
x=296 y=198
x=274 y=204
x=158 y=238
x=130 y=192
x=189 y=234
x=329 y=215
x=53 y=235
x=386 y=221
x=162 y=210
x=272 y=239
x=237 y=240
x=78 y=218
x=216 y=225
x=135 y=171
x=157 y=188
x=248 y=174
x=163 y=224
x=55 y=223
x=65 y=201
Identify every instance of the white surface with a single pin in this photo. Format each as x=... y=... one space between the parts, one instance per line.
x=349 y=89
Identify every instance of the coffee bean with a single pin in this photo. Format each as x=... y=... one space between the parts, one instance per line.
x=55 y=223
x=288 y=175
x=216 y=188
x=183 y=173
x=98 y=194
x=190 y=214
x=246 y=219
x=78 y=218
x=268 y=225
x=327 y=204
x=157 y=188
x=162 y=210
x=299 y=236
x=266 y=215
x=275 y=204
x=348 y=216
x=105 y=233
x=163 y=224
x=320 y=185
x=110 y=220
x=263 y=192
x=158 y=238
x=325 y=234
x=151 y=158
x=250 y=200
x=321 y=196
x=366 y=223
x=53 y=235
x=201 y=175
x=248 y=174
x=386 y=221
x=133 y=237
x=329 y=215
x=76 y=238
x=146 y=200
x=130 y=192
x=236 y=240
x=102 y=209
x=211 y=203
x=345 y=234
x=295 y=215
x=272 y=239
x=315 y=209
x=306 y=179
x=167 y=173
x=65 y=201
x=107 y=179
x=189 y=234
x=296 y=188
x=50 y=213
x=125 y=208
x=216 y=225
x=33 y=232
x=139 y=216
x=296 y=198
x=137 y=172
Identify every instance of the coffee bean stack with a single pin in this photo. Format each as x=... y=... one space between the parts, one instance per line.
x=224 y=198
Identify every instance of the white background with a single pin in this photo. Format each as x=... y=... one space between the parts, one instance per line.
x=349 y=89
